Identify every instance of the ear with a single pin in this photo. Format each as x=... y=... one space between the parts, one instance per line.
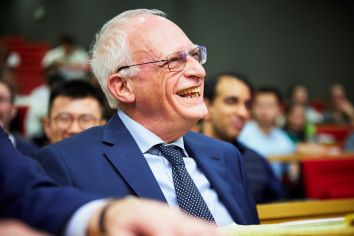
x=13 y=112
x=46 y=126
x=121 y=89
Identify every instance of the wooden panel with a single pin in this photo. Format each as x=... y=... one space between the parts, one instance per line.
x=301 y=157
x=290 y=211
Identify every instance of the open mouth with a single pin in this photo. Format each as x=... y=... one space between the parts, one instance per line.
x=189 y=92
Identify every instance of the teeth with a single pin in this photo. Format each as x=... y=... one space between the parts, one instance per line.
x=190 y=92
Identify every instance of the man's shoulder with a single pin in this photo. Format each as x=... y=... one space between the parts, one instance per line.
x=87 y=138
x=250 y=129
x=25 y=146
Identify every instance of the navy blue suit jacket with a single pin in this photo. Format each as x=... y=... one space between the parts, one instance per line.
x=107 y=160
x=25 y=147
x=27 y=194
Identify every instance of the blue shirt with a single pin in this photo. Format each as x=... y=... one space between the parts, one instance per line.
x=276 y=142
x=162 y=170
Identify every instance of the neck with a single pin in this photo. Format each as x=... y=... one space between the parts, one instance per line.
x=265 y=128
x=166 y=129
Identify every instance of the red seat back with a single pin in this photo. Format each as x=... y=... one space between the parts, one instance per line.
x=329 y=177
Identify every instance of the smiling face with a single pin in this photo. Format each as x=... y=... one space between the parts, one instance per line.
x=70 y=116
x=229 y=110
x=167 y=103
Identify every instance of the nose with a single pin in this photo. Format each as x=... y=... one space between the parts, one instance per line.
x=194 y=69
x=243 y=111
x=74 y=128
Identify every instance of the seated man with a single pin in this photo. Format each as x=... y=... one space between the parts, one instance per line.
x=8 y=112
x=74 y=106
x=229 y=98
x=27 y=194
x=340 y=109
x=262 y=134
x=68 y=59
x=152 y=72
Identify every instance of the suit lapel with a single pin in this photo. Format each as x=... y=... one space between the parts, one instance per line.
x=123 y=153
x=210 y=161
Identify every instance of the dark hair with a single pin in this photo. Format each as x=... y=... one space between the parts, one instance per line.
x=212 y=82
x=10 y=86
x=290 y=107
x=67 y=39
x=271 y=90
x=76 y=89
x=294 y=87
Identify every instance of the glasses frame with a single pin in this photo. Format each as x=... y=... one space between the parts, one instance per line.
x=78 y=119
x=167 y=61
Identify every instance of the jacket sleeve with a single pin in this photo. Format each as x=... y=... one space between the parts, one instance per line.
x=54 y=165
x=28 y=194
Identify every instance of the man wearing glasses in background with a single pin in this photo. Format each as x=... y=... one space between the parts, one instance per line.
x=74 y=106
x=152 y=74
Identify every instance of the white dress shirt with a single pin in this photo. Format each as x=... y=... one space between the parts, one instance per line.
x=162 y=170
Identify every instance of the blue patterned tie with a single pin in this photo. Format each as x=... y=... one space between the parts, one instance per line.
x=188 y=196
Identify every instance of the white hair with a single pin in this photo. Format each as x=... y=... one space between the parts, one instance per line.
x=111 y=50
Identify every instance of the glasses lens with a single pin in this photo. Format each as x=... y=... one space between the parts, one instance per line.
x=176 y=61
x=199 y=54
x=63 y=121
x=87 y=121
x=202 y=54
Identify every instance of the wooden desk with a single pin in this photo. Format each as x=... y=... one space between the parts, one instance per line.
x=300 y=157
x=300 y=210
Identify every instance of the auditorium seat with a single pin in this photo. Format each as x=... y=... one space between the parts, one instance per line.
x=29 y=74
x=338 y=132
x=329 y=177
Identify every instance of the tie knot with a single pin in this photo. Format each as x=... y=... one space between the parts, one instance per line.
x=172 y=153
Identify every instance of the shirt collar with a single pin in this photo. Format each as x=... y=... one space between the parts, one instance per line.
x=12 y=139
x=144 y=138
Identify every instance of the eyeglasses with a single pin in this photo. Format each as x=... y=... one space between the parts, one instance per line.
x=65 y=120
x=177 y=61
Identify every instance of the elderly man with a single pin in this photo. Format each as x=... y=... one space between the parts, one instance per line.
x=152 y=72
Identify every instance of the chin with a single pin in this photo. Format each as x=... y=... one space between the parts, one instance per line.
x=198 y=113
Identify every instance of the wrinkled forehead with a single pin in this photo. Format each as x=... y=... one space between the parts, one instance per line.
x=157 y=35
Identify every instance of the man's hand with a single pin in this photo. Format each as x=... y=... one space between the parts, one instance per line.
x=136 y=217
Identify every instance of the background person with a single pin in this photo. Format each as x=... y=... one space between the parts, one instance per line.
x=74 y=106
x=262 y=133
x=229 y=99
x=8 y=112
x=67 y=59
x=340 y=110
x=300 y=94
